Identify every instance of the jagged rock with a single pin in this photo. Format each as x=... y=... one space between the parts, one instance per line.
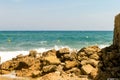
x=94 y=73
x=116 y=39
x=90 y=61
x=73 y=55
x=84 y=62
x=86 y=69
x=60 y=68
x=5 y=65
x=70 y=64
x=49 y=53
x=67 y=56
x=36 y=73
x=74 y=70
x=90 y=50
x=49 y=68
x=93 y=62
x=94 y=56
x=52 y=60
x=81 y=54
x=82 y=58
x=4 y=72
x=20 y=56
x=33 y=53
x=64 y=51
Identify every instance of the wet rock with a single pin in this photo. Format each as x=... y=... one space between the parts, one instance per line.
x=87 y=69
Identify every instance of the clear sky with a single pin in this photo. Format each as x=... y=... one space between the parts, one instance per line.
x=58 y=14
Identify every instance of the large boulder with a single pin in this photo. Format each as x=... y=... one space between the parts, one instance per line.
x=116 y=40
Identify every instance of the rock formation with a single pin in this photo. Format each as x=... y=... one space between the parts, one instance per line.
x=87 y=63
x=116 y=40
x=63 y=61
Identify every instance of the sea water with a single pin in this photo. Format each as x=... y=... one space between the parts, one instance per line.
x=13 y=43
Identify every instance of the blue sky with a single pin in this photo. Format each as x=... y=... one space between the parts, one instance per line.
x=58 y=14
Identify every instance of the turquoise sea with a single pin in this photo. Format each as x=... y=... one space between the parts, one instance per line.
x=27 y=40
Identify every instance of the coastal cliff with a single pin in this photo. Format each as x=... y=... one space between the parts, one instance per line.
x=116 y=40
x=63 y=64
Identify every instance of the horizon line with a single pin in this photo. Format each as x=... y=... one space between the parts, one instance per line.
x=56 y=30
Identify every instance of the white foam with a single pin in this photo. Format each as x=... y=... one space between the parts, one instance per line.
x=8 y=55
x=103 y=46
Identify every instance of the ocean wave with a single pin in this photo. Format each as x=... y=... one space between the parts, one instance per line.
x=8 y=55
x=103 y=46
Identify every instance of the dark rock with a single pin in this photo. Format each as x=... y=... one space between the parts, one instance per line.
x=116 y=39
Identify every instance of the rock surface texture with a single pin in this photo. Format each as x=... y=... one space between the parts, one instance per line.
x=116 y=40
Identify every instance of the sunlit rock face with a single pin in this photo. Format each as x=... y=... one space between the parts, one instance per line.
x=116 y=40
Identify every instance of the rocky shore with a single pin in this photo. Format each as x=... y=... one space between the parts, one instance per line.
x=89 y=63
